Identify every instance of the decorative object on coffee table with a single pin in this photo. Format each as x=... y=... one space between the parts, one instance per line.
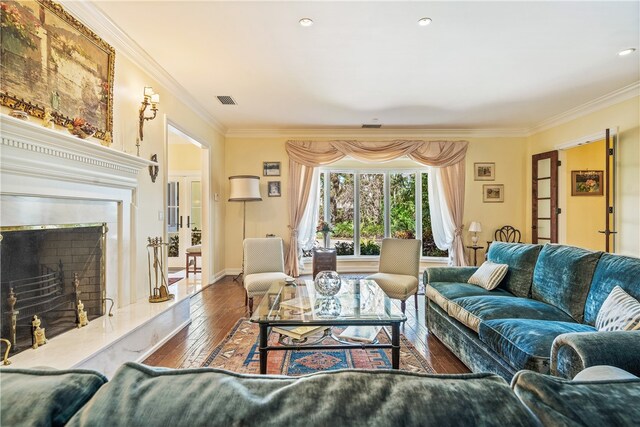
x=327 y=283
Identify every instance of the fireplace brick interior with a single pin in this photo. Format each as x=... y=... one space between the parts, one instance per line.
x=28 y=253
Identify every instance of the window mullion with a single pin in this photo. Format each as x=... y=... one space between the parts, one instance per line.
x=356 y=213
x=418 y=192
x=387 y=209
x=327 y=210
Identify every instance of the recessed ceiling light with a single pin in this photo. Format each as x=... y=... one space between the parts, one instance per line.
x=626 y=51
x=423 y=22
x=306 y=22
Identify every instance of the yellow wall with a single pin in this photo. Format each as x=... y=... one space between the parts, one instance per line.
x=183 y=157
x=625 y=116
x=244 y=155
x=129 y=83
x=584 y=215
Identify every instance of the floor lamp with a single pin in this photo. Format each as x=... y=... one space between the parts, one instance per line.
x=244 y=188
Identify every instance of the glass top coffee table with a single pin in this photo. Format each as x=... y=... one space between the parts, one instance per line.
x=359 y=302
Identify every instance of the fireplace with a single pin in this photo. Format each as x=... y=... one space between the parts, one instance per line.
x=45 y=270
x=50 y=177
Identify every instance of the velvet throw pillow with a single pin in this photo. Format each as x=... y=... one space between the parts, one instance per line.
x=619 y=312
x=489 y=275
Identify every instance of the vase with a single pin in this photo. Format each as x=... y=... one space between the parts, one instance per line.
x=327 y=283
x=326 y=239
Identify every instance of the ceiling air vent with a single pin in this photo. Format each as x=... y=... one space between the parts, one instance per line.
x=373 y=126
x=226 y=100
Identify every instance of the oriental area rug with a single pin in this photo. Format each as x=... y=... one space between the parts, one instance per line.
x=239 y=352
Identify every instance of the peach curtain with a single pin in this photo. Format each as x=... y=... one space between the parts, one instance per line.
x=304 y=156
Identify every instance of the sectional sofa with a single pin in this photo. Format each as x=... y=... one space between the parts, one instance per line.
x=541 y=316
x=142 y=396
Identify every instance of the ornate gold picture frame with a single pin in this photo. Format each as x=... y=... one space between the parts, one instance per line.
x=52 y=61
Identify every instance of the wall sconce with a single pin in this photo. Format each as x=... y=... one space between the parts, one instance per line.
x=150 y=98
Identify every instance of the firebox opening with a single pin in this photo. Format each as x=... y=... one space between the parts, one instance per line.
x=39 y=266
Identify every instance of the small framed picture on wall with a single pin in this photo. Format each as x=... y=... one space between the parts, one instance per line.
x=271 y=169
x=586 y=183
x=484 y=171
x=493 y=193
x=273 y=189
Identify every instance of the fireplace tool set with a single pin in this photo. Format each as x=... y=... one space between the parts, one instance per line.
x=156 y=247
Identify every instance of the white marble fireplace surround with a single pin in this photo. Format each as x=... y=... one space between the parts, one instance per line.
x=49 y=178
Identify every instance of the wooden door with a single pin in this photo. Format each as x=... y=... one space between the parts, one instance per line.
x=544 y=219
x=184 y=217
x=609 y=192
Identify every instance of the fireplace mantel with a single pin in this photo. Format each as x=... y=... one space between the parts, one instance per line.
x=31 y=149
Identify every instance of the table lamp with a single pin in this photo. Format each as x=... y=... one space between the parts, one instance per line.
x=475 y=228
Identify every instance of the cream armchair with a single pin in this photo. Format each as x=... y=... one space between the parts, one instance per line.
x=263 y=265
x=399 y=268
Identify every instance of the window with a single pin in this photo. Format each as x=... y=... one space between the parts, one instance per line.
x=381 y=203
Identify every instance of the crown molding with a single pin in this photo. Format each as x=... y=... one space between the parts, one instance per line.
x=92 y=16
x=368 y=133
x=592 y=106
x=89 y=14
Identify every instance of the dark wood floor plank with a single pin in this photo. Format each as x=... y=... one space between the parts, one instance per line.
x=216 y=309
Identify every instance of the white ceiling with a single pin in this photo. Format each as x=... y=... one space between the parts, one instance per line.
x=479 y=65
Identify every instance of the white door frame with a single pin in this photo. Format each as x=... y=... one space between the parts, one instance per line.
x=207 y=213
x=562 y=182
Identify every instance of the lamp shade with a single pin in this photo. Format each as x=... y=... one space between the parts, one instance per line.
x=244 y=188
x=475 y=227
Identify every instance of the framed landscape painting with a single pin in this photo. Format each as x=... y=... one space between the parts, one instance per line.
x=484 y=171
x=587 y=183
x=493 y=193
x=51 y=60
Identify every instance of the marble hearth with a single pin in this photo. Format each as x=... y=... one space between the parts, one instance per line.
x=51 y=178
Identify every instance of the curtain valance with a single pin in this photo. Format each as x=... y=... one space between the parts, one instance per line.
x=429 y=153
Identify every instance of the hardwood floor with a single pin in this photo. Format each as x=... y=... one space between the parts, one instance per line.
x=217 y=308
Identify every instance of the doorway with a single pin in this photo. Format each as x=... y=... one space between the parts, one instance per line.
x=184 y=216
x=187 y=203
x=587 y=192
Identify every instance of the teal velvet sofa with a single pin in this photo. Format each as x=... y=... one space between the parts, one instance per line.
x=541 y=316
x=138 y=395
